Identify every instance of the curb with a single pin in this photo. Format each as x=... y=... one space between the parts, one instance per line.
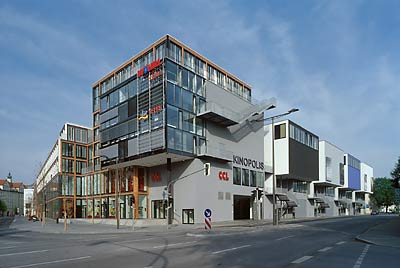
x=362 y=240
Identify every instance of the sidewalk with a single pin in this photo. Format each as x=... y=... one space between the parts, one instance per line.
x=77 y=227
x=21 y=224
x=386 y=234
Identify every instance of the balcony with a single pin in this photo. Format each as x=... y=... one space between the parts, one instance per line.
x=215 y=150
x=218 y=114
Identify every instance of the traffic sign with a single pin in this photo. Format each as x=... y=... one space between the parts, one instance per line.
x=207 y=222
x=207 y=213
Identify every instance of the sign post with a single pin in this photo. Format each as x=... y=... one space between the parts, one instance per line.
x=207 y=219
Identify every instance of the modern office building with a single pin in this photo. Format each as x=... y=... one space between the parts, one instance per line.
x=164 y=114
x=12 y=194
x=61 y=181
x=296 y=167
x=331 y=176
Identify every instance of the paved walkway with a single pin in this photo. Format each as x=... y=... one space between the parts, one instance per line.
x=79 y=227
x=386 y=234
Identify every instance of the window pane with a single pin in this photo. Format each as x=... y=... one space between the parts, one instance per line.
x=245 y=178
x=172 y=116
x=237 y=176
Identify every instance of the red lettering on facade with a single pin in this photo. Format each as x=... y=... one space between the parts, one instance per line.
x=156 y=176
x=223 y=175
x=149 y=67
x=155 y=109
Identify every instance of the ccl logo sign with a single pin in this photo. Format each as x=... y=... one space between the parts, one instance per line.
x=223 y=175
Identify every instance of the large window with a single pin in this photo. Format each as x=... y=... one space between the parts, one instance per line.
x=253 y=178
x=80 y=167
x=237 y=176
x=280 y=131
x=328 y=169
x=172 y=116
x=260 y=179
x=245 y=177
x=158 y=209
x=81 y=152
x=67 y=166
x=300 y=186
x=303 y=136
x=67 y=185
x=174 y=52
x=67 y=149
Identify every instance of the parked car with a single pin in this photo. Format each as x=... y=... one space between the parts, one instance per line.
x=374 y=212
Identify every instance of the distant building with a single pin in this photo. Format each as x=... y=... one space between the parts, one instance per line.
x=12 y=193
x=28 y=201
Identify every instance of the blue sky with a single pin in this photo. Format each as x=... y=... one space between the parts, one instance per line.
x=337 y=61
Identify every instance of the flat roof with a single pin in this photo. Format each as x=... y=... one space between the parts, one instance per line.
x=184 y=47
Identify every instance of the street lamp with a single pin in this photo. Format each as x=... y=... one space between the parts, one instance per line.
x=272 y=118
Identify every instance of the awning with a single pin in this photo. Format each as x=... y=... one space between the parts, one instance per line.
x=319 y=200
x=283 y=197
x=291 y=204
x=324 y=205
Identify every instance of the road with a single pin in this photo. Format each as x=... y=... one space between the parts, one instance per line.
x=325 y=243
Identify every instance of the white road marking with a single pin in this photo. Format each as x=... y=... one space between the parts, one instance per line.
x=302 y=259
x=136 y=240
x=230 y=249
x=176 y=244
x=340 y=243
x=16 y=235
x=324 y=249
x=361 y=258
x=50 y=262
x=21 y=253
x=286 y=237
x=7 y=247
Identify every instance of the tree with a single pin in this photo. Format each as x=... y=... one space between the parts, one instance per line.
x=384 y=193
x=396 y=174
x=3 y=206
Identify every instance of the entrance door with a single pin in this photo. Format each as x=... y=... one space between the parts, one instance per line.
x=241 y=207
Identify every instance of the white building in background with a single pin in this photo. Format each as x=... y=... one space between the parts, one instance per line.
x=28 y=202
x=367 y=181
x=331 y=176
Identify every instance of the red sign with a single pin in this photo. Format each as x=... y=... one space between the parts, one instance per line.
x=223 y=175
x=149 y=67
x=156 y=176
x=155 y=109
x=155 y=74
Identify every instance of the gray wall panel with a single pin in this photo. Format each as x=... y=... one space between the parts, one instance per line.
x=303 y=162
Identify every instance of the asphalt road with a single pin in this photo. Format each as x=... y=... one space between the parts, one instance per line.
x=327 y=243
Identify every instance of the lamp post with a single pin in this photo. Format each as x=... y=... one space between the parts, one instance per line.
x=272 y=118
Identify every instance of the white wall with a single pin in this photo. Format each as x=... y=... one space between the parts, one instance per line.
x=327 y=149
x=368 y=172
x=281 y=150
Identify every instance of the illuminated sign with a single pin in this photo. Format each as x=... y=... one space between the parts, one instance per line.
x=143 y=115
x=149 y=67
x=155 y=74
x=155 y=109
x=223 y=175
